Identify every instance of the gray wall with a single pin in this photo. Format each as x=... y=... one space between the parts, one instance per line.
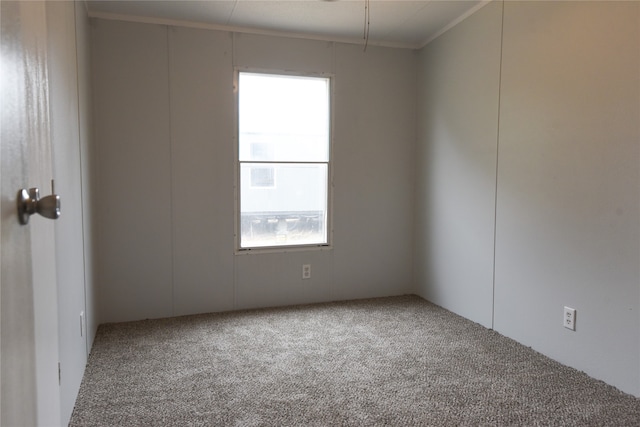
x=458 y=87
x=66 y=172
x=525 y=174
x=164 y=120
x=87 y=166
x=69 y=98
x=549 y=113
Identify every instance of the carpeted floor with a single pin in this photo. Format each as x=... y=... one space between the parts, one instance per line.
x=397 y=361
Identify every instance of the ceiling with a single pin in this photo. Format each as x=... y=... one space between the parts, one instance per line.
x=398 y=23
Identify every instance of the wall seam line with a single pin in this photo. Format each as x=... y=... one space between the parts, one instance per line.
x=234 y=141
x=82 y=182
x=171 y=181
x=495 y=205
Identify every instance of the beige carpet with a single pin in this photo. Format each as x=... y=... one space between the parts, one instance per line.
x=397 y=361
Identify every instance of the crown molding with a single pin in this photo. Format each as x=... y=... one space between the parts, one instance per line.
x=455 y=22
x=245 y=30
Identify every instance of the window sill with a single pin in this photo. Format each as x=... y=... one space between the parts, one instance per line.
x=283 y=249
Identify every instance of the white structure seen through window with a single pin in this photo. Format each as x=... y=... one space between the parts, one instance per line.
x=284 y=133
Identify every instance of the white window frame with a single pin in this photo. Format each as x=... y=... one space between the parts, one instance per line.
x=239 y=250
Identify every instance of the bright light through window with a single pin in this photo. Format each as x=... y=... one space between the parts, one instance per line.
x=283 y=154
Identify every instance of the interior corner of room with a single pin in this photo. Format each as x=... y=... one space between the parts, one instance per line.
x=494 y=171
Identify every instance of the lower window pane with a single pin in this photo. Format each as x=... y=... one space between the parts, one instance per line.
x=292 y=211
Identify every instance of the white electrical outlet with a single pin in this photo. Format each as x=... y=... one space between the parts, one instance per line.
x=569 y=319
x=306 y=271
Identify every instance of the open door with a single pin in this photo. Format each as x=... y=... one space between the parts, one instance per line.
x=29 y=390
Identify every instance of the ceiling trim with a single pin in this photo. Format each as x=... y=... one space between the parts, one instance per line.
x=245 y=30
x=455 y=22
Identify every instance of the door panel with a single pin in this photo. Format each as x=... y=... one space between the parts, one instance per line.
x=28 y=310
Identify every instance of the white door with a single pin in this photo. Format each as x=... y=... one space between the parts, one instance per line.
x=29 y=390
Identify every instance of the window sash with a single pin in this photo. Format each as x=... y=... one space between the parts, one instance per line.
x=305 y=226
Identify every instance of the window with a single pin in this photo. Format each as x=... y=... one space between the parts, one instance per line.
x=283 y=160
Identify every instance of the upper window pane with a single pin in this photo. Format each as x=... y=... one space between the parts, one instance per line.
x=283 y=118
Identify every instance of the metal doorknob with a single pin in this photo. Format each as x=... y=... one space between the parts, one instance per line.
x=29 y=202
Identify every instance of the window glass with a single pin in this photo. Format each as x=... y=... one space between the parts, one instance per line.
x=283 y=155
x=287 y=116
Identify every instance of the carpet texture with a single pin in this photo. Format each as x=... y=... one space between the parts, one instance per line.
x=397 y=361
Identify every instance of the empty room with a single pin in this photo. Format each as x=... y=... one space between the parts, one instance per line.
x=345 y=212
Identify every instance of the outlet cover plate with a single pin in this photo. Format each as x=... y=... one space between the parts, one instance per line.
x=569 y=319
x=306 y=271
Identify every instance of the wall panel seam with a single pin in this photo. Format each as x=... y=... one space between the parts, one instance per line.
x=171 y=180
x=495 y=194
